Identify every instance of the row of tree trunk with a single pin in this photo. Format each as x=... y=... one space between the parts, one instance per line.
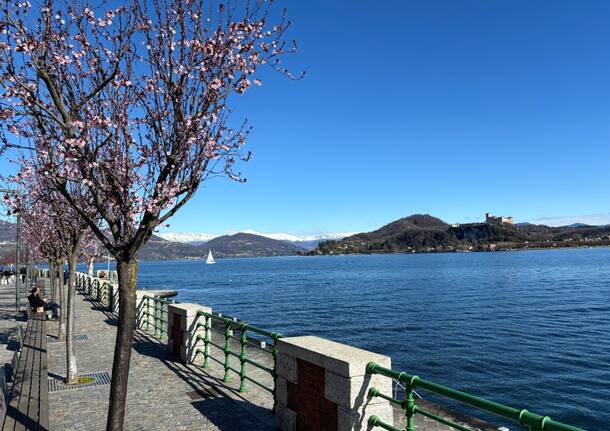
x=64 y=291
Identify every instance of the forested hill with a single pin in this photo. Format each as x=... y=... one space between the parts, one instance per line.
x=248 y=245
x=424 y=233
x=238 y=245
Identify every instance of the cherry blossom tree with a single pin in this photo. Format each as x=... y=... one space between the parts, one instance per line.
x=53 y=224
x=132 y=103
x=43 y=239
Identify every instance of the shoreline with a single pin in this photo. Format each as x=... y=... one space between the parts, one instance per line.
x=385 y=253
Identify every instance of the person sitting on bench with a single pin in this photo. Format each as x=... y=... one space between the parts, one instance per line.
x=36 y=302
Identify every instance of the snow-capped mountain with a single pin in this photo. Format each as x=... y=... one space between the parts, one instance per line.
x=308 y=242
x=187 y=237
x=303 y=241
x=300 y=238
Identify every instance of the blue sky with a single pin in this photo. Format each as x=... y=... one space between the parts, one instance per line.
x=452 y=108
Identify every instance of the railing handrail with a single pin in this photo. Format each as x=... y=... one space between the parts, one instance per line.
x=533 y=421
x=160 y=299
x=240 y=324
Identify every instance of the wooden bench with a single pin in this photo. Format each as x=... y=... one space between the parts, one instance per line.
x=28 y=407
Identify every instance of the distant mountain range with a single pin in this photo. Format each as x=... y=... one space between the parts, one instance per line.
x=415 y=233
x=424 y=233
x=157 y=248
x=237 y=245
x=7 y=238
x=7 y=231
x=307 y=241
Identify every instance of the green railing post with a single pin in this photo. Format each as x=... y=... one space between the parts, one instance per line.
x=226 y=378
x=206 y=341
x=410 y=407
x=164 y=322
x=274 y=336
x=156 y=316
x=242 y=358
x=147 y=313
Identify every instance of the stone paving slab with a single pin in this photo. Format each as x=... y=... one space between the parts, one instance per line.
x=159 y=386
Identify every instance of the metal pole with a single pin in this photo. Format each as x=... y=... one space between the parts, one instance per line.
x=26 y=253
x=17 y=272
x=28 y=268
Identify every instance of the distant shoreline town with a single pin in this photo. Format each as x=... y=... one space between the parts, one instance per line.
x=422 y=233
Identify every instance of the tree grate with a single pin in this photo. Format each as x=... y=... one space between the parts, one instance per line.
x=57 y=384
x=53 y=339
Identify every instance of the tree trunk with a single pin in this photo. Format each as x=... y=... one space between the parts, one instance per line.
x=61 y=335
x=127 y=272
x=52 y=280
x=72 y=371
x=90 y=267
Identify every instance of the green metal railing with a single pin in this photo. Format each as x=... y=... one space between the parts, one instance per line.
x=531 y=421
x=234 y=329
x=97 y=289
x=91 y=286
x=156 y=315
x=105 y=297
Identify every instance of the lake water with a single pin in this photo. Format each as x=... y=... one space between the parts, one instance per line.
x=530 y=329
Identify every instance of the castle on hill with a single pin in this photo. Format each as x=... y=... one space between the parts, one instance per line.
x=489 y=219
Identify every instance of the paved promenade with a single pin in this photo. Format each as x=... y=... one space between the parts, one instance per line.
x=163 y=394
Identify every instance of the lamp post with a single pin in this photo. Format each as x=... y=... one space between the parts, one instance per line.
x=17 y=272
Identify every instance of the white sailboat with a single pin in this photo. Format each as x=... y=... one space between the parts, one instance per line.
x=210 y=259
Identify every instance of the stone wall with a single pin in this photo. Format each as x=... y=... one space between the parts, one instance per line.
x=323 y=385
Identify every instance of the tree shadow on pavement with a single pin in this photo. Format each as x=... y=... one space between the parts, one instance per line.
x=226 y=407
